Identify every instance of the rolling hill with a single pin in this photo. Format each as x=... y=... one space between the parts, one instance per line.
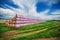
x=47 y=29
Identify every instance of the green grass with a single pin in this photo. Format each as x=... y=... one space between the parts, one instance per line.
x=53 y=30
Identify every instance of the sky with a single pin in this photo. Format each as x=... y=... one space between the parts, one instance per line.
x=41 y=9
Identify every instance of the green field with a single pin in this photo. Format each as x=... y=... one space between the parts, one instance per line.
x=45 y=29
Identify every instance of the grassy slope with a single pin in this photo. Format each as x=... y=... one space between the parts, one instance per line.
x=52 y=31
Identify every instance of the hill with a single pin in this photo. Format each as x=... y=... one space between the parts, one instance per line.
x=45 y=29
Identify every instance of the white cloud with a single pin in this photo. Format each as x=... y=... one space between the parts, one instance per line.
x=57 y=12
x=27 y=3
x=7 y=11
x=33 y=12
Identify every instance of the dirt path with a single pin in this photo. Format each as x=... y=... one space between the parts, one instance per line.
x=56 y=38
x=8 y=33
x=26 y=34
x=13 y=32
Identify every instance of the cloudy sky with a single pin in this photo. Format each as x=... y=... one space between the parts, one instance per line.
x=42 y=9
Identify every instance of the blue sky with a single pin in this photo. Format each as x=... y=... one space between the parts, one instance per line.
x=9 y=3
x=44 y=9
x=41 y=6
